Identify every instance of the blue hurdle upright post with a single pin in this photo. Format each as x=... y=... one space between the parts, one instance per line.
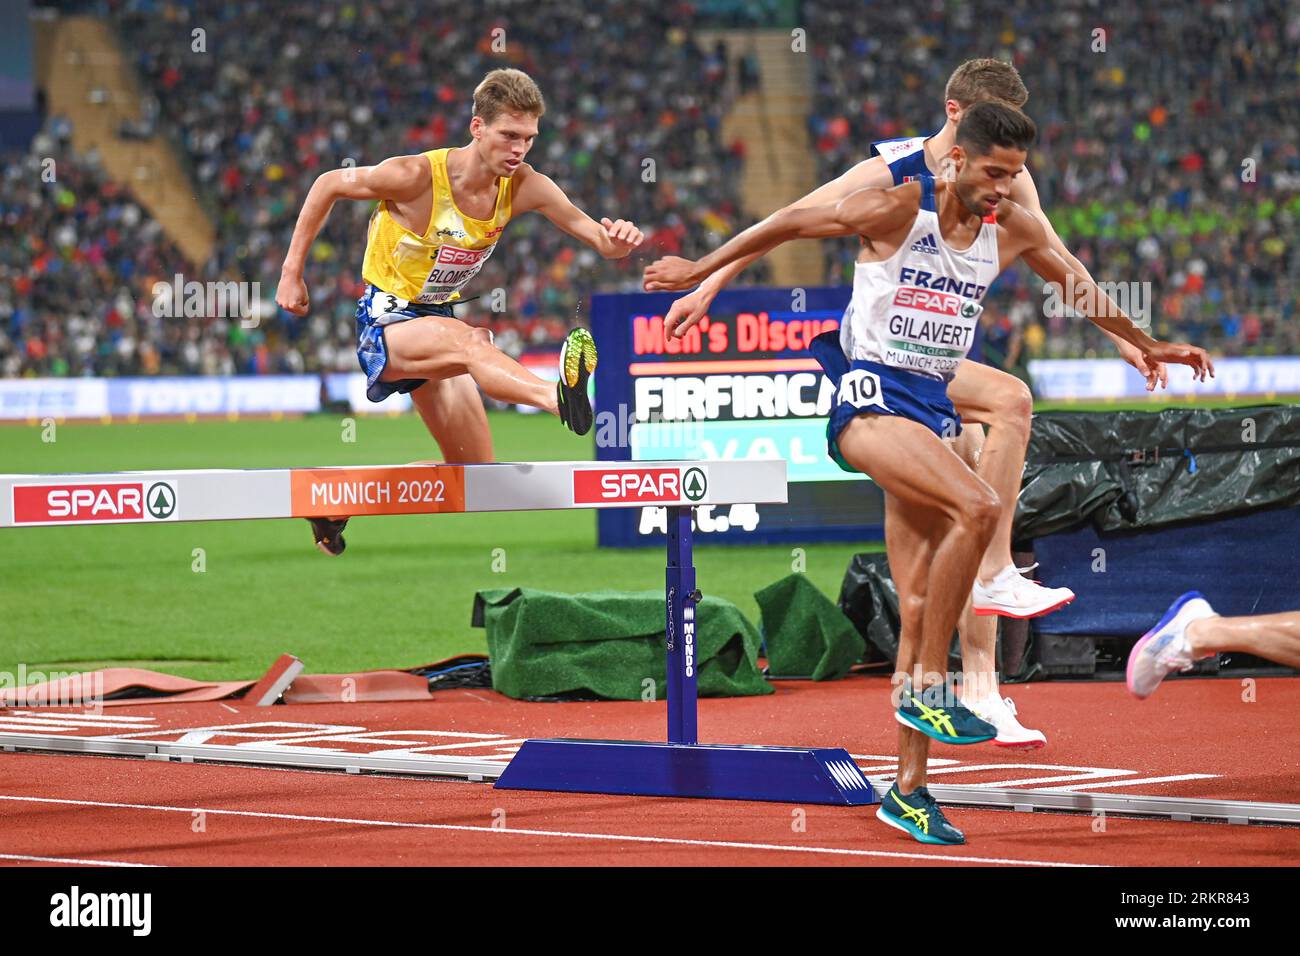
x=679 y=607
x=683 y=767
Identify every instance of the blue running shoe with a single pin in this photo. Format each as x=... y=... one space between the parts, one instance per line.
x=1164 y=648
x=937 y=713
x=918 y=814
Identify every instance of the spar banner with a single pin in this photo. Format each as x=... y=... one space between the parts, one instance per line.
x=741 y=384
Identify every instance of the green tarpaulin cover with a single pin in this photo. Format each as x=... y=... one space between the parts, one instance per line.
x=805 y=633
x=609 y=645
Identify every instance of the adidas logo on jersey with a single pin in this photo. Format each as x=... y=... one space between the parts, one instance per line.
x=926 y=244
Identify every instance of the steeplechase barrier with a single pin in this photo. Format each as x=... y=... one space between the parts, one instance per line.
x=680 y=766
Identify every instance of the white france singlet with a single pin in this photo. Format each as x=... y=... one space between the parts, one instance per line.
x=917 y=310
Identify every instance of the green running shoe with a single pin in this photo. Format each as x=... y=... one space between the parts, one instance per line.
x=577 y=362
x=937 y=713
x=918 y=814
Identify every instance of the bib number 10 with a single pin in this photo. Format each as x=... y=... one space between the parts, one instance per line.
x=860 y=388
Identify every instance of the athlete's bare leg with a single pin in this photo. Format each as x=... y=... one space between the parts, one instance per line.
x=979 y=633
x=436 y=347
x=909 y=544
x=1275 y=637
x=939 y=492
x=979 y=639
x=1004 y=403
x=453 y=412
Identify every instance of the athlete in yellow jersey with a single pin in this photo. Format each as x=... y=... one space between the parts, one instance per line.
x=439 y=216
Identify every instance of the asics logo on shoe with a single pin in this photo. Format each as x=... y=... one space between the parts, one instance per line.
x=937 y=717
x=915 y=814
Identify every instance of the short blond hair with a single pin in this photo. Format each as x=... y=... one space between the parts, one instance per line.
x=986 y=79
x=507 y=91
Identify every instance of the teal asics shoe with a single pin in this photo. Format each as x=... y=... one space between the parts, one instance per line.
x=918 y=814
x=937 y=713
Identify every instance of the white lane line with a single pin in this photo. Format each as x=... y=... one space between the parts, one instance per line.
x=892 y=760
x=13 y=727
x=66 y=859
x=416 y=747
x=77 y=716
x=562 y=834
x=89 y=726
x=1080 y=774
x=1131 y=783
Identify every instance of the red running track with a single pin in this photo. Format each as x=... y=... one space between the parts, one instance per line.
x=99 y=809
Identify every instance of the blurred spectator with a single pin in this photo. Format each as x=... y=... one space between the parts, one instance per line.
x=747 y=69
x=76 y=279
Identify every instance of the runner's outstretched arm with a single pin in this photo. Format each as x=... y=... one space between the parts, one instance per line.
x=1030 y=238
x=612 y=238
x=863 y=213
x=400 y=179
x=1025 y=194
x=689 y=309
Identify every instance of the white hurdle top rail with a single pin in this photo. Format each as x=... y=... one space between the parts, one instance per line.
x=139 y=497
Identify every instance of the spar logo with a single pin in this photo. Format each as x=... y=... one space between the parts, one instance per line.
x=636 y=486
x=94 y=502
x=943 y=303
x=695 y=484
x=456 y=256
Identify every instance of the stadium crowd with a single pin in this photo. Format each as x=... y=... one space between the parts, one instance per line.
x=267 y=94
x=290 y=89
x=1168 y=151
x=81 y=253
x=1175 y=172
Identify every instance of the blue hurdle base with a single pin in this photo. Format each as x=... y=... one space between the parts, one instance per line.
x=717 y=771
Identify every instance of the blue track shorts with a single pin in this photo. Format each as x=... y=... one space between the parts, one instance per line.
x=869 y=388
x=376 y=309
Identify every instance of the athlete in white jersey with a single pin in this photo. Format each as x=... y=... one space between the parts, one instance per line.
x=889 y=416
x=926 y=326
x=981 y=394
